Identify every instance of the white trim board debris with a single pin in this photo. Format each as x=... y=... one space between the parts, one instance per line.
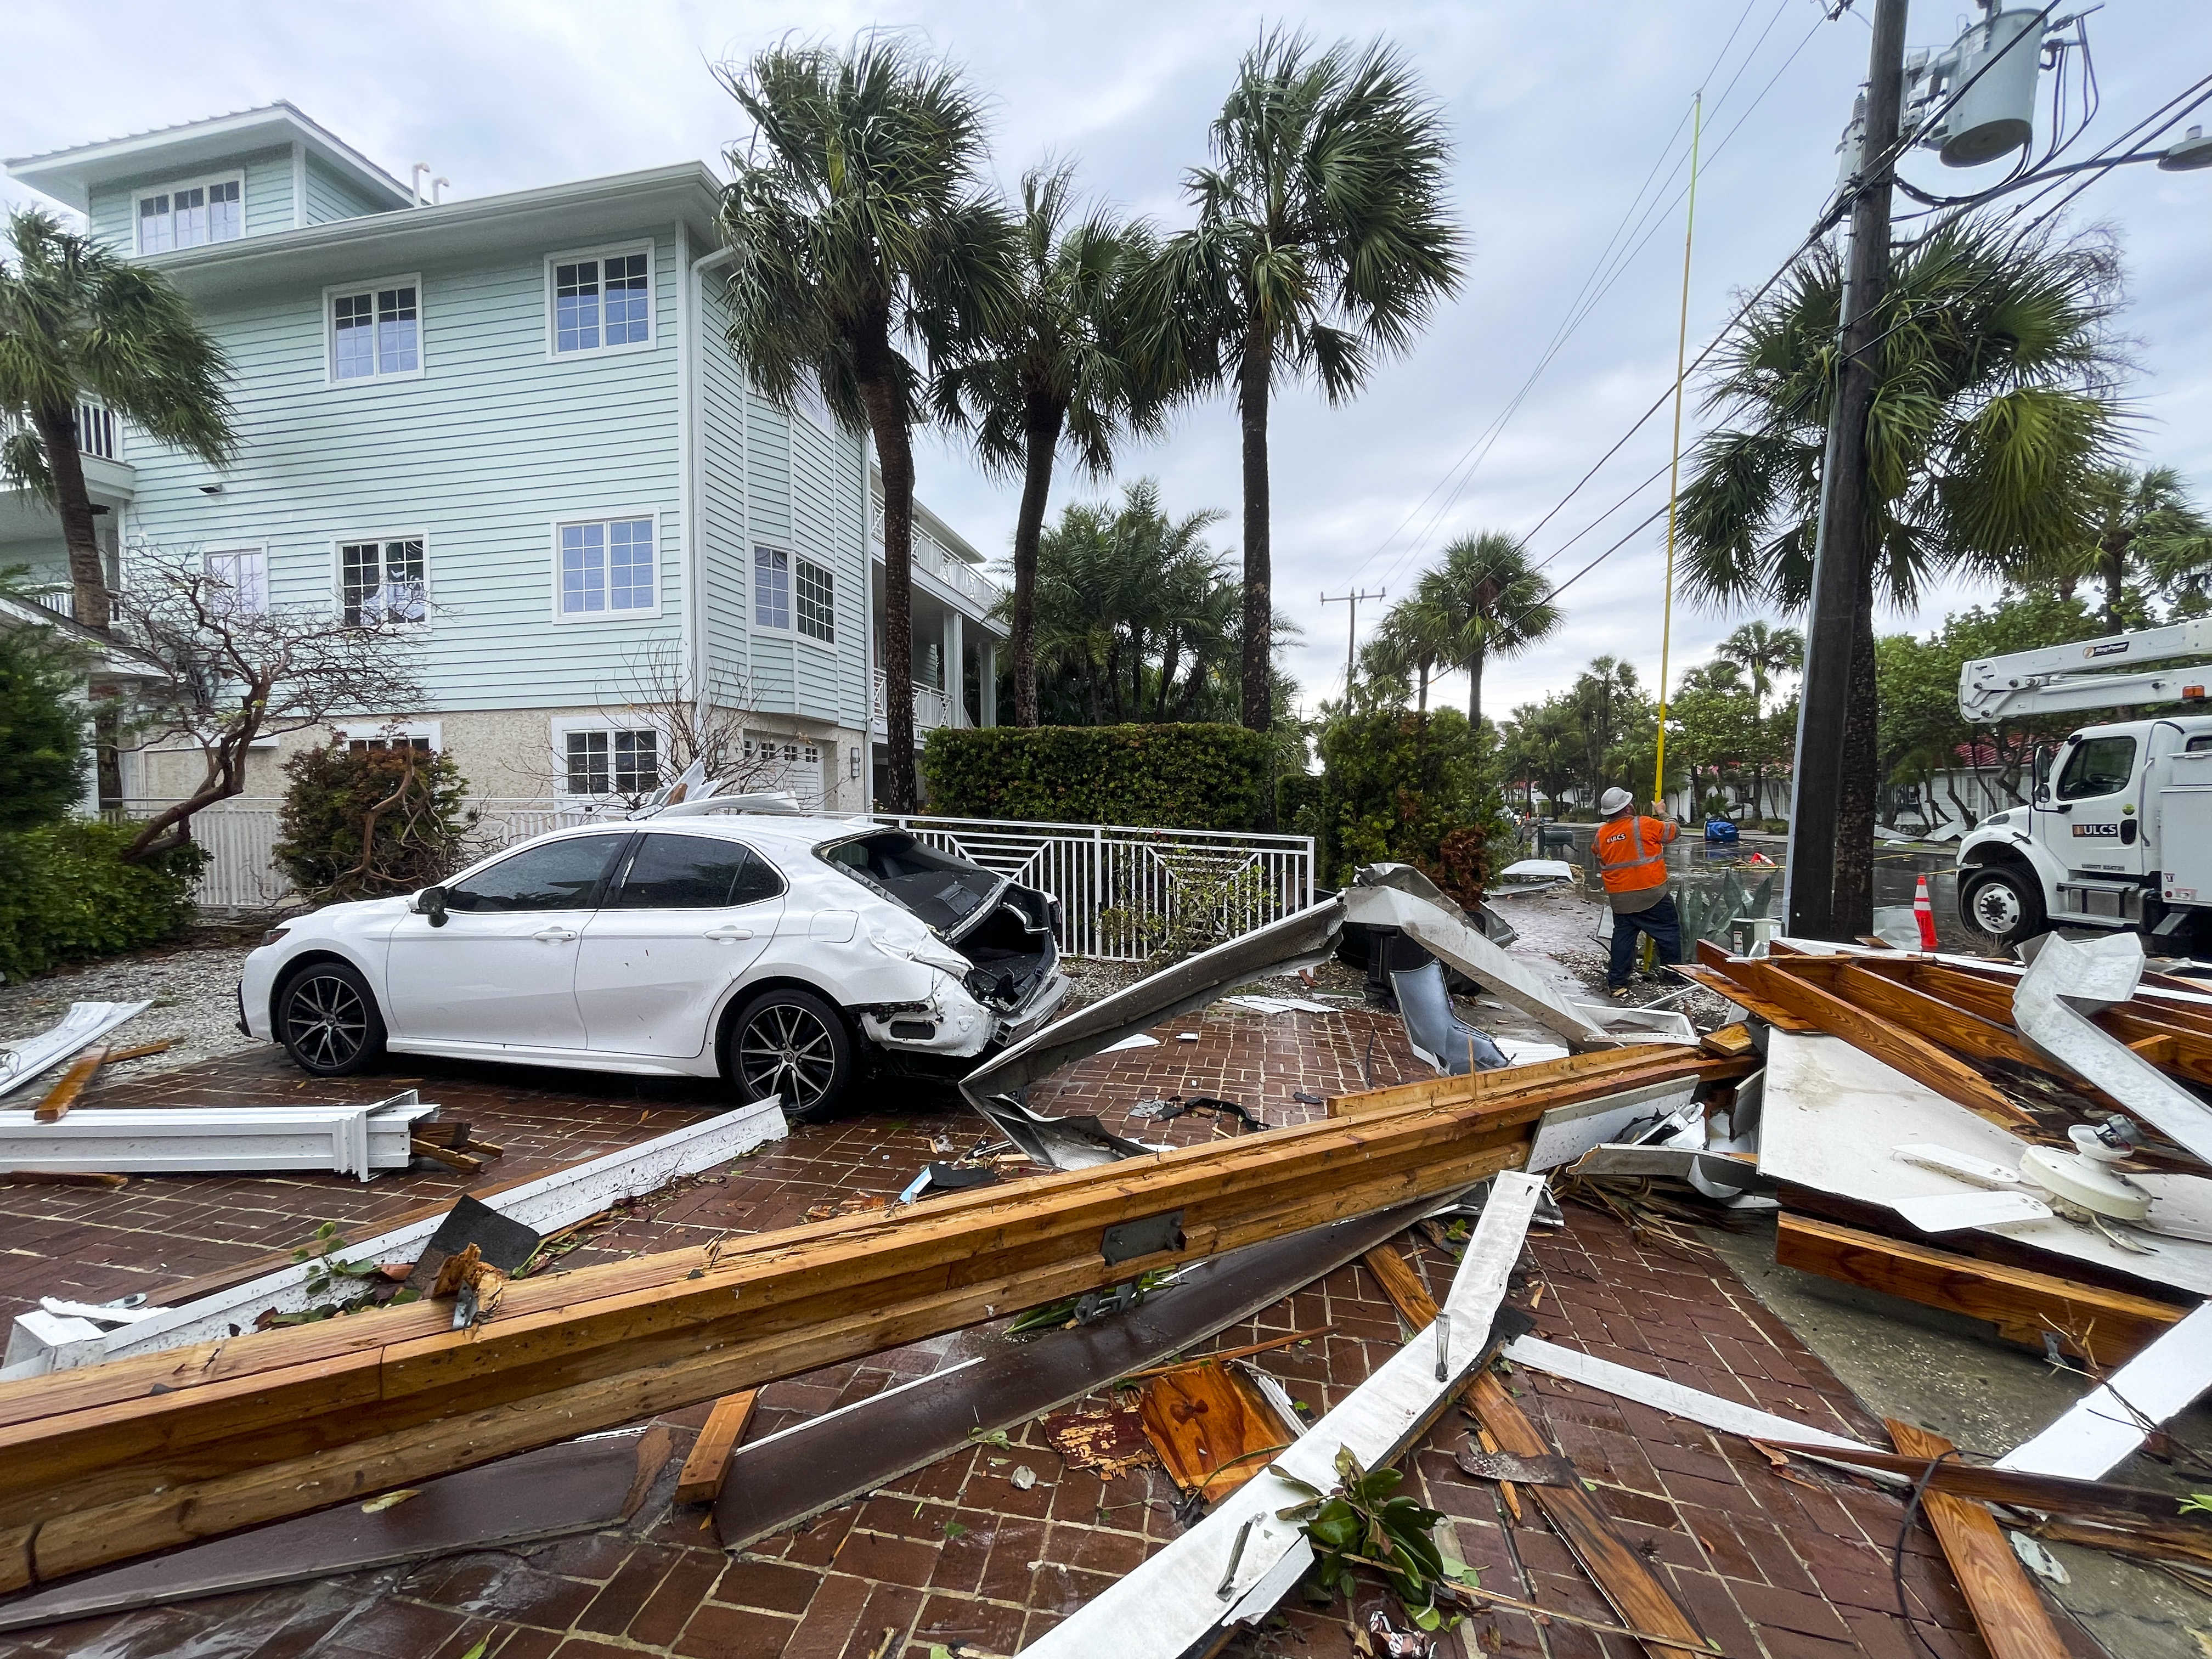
x=41 y=1342
x=1238 y=1563
x=355 y=1140
x=85 y=1024
x=2100 y=1431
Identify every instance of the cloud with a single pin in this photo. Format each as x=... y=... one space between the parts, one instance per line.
x=1558 y=115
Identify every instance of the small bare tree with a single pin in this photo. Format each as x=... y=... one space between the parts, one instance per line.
x=231 y=673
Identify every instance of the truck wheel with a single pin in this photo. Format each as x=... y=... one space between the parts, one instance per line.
x=2005 y=903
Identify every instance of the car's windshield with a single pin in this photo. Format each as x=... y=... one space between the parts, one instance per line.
x=942 y=888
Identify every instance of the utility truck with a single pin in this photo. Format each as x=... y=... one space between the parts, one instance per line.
x=2118 y=833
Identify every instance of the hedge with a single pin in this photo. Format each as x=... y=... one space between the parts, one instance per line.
x=1167 y=777
x=1409 y=789
x=65 y=894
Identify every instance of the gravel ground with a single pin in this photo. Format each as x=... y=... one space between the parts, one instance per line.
x=194 y=985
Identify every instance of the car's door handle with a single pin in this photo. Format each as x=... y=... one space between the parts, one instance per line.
x=729 y=935
x=555 y=935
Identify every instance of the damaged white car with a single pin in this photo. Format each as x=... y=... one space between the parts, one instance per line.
x=790 y=955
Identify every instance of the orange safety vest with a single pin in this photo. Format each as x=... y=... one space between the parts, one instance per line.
x=1628 y=861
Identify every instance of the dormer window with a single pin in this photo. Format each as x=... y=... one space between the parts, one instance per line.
x=188 y=215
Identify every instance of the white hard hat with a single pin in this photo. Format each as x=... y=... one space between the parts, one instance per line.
x=1613 y=801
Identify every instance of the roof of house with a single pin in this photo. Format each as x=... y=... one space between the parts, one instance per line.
x=68 y=175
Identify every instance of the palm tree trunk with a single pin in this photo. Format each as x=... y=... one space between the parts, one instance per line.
x=2114 y=558
x=1854 y=887
x=1113 y=676
x=1474 y=693
x=1252 y=388
x=886 y=407
x=1042 y=439
x=1170 y=659
x=1422 y=709
x=88 y=570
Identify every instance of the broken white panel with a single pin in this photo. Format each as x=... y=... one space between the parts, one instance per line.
x=1565 y=1132
x=355 y=1140
x=85 y=1024
x=1139 y=1041
x=2051 y=1005
x=2100 y=1431
x=545 y=1205
x=1235 y=1564
x=1520 y=1051
x=1949 y=1212
x=1831 y=1114
x=1446 y=936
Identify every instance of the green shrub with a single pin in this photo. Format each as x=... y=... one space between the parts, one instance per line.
x=1406 y=789
x=41 y=729
x=65 y=894
x=367 y=822
x=1169 y=777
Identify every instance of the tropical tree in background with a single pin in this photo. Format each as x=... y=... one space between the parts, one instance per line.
x=2142 y=524
x=1414 y=635
x=1058 y=368
x=862 y=233
x=76 y=325
x=1321 y=245
x=1992 y=414
x=1610 y=709
x=1761 y=653
x=1542 y=746
x=1500 y=606
x=1712 y=727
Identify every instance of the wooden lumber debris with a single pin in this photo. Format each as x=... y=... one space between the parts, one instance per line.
x=73 y=1083
x=145 y=1453
x=2011 y=1616
x=1562 y=1082
x=1211 y=1429
x=1625 y=1579
x=700 y=1481
x=2106 y=1327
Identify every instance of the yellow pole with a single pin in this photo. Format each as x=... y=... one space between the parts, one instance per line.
x=1674 y=477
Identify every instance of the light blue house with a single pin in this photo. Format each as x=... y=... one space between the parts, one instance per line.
x=508 y=429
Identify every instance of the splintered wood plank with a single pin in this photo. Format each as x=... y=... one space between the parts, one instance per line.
x=2103 y=1327
x=1644 y=1602
x=1727 y=985
x=701 y=1482
x=1212 y=1428
x=1473 y=1086
x=1730 y=1042
x=2011 y=1616
x=63 y=1094
x=1901 y=1049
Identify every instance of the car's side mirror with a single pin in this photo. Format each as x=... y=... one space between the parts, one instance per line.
x=431 y=902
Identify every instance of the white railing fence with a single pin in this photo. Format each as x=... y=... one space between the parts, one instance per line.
x=1123 y=890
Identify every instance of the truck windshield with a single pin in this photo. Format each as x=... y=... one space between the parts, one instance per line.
x=2098 y=766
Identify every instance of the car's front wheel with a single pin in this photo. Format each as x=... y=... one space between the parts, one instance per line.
x=793 y=1046
x=328 y=1022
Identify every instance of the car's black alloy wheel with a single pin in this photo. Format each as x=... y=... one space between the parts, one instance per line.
x=792 y=1045
x=328 y=1021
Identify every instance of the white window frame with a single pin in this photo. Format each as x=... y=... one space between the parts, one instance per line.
x=830 y=576
x=234 y=176
x=339 y=544
x=258 y=550
x=615 y=250
x=593 y=619
x=375 y=376
x=790 y=630
x=372 y=731
x=562 y=726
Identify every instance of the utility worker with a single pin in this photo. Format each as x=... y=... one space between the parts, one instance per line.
x=1631 y=856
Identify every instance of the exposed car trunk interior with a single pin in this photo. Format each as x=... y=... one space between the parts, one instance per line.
x=1005 y=930
x=1012 y=949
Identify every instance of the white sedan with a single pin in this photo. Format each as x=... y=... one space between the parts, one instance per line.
x=786 y=955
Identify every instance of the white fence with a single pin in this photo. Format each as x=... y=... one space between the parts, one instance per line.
x=1123 y=890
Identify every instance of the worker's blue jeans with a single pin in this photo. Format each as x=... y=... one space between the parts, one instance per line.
x=1661 y=922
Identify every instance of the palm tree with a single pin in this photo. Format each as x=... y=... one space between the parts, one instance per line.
x=1606 y=700
x=1416 y=634
x=1761 y=653
x=78 y=323
x=860 y=228
x=1058 y=369
x=2145 y=521
x=1499 y=604
x=1320 y=247
x=1991 y=412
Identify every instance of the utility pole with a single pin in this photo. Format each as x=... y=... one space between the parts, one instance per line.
x=1841 y=551
x=1352 y=640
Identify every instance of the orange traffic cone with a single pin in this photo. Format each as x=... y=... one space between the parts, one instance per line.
x=1923 y=913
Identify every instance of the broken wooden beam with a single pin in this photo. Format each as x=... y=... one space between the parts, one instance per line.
x=63 y=1094
x=2011 y=1616
x=2103 y=1327
x=701 y=1482
x=1642 y=1063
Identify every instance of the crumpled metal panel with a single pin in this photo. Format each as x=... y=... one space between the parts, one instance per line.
x=1442 y=935
x=2052 y=1005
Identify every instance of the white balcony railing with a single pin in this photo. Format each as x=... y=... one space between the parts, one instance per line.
x=962 y=578
x=931 y=707
x=95 y=431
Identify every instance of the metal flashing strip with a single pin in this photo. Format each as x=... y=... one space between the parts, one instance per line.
x=1235 y=1565
x=85 y=1024
x=559 y=1198
x=1660 y=1394
x=2101 y=1429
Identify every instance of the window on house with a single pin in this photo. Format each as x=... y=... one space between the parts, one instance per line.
x=817 y=614
x=420 y=745
x=771 y=588
x=608 y=566
x=381 y=584
x=238 y=580
x=612 y=763
x=376 y=330
x=601 y=302
x=187 y=216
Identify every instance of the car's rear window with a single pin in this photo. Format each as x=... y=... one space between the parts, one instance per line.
x=943 y=888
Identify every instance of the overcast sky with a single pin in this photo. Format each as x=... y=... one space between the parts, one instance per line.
x=1558 y=113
